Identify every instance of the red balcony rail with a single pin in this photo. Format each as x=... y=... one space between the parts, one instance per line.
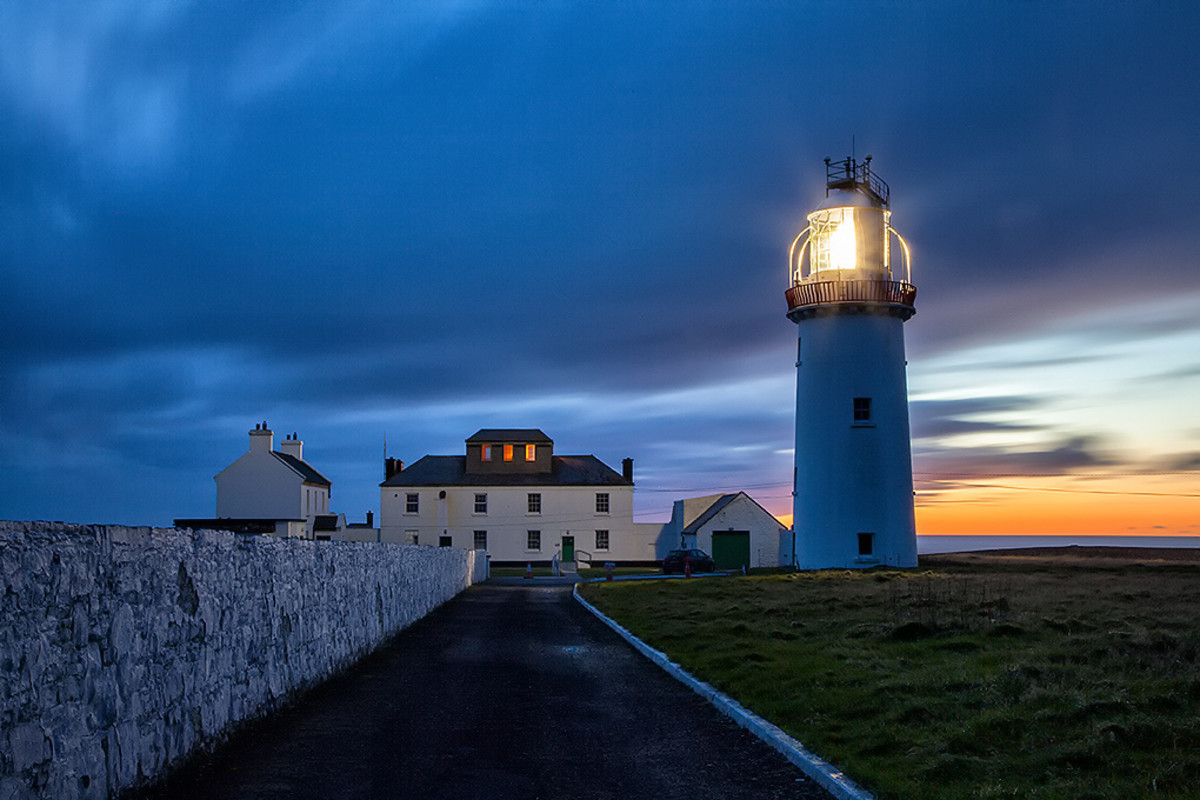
x=821 y=292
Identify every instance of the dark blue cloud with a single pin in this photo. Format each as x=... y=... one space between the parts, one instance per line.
x=359 y=217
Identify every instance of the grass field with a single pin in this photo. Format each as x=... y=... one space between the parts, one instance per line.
x=1027 y=675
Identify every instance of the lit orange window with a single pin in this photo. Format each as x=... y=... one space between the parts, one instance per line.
x=508 y=452
x=530 y=452
x=485 y=453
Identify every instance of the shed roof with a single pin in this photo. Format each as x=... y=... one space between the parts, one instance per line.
x=709 y=513
x=718 y=504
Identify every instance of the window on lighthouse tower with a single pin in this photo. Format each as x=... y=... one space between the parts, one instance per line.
x=862 y=409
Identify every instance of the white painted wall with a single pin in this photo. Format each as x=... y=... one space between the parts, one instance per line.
x=259 y=486
x=354 y=533
x=566 y=511
x=852 y=478
x=654 y=540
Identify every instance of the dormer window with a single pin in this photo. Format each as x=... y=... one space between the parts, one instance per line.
x=485 y=453
x=530 y=452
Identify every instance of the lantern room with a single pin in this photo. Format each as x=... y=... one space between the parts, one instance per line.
x=845 y=253
x=848 y=238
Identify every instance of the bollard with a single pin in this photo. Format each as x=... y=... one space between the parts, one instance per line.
x=608 y=570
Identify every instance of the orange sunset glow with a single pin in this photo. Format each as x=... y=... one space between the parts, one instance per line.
x=1063 y=506
x=1145 y=505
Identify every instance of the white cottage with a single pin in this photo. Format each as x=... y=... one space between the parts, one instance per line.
x=733 y=528
x=268 y=485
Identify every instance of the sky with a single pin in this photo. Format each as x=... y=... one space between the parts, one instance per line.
x=390 y=225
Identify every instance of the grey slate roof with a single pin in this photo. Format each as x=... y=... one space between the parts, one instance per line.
x=709 y=513
x=325 y=522
x=309 y=474
x=532 y=435
x=716 y=507
x=451 y=471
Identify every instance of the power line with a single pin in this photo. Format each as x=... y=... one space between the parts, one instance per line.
x=956 y=478
x=720 y=488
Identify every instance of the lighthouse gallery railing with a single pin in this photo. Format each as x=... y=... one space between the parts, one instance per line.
x=820 y=292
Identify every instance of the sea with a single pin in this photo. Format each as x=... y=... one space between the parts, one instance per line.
x=960 y=544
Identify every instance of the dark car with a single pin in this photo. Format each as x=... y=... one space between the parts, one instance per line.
x=700 y=560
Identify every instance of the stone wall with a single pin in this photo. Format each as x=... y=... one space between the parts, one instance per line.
x=122 y=649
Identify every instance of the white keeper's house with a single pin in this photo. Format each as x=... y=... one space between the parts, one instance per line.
x=512 y=496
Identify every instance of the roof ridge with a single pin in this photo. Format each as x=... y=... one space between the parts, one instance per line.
x=301 y=467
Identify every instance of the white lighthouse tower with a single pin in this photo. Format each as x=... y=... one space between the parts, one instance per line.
x=853 y=488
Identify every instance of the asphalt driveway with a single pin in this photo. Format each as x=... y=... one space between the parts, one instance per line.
x=507 y=691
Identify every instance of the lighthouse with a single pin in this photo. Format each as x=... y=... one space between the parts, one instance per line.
x=849 y=297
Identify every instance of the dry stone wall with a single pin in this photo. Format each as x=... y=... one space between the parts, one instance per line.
x=122 y=650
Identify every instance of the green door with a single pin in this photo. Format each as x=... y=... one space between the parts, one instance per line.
x=731 y=549
x=568 y=543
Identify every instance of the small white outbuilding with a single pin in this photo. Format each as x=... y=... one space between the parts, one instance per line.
x=733 y=528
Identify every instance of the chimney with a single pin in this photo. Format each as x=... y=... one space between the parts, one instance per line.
x=391 y=466
x=261 y=439
x=370 y=519
x=627 y=469
x=293 y=447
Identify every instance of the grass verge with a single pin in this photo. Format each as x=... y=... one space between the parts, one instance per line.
x=1027 y=677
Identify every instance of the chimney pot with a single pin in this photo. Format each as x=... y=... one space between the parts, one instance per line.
x=293 y=447
x=260 y=439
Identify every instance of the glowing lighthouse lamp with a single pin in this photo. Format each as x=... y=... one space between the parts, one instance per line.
x=853 y=489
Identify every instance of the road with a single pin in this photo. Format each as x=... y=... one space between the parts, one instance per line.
x=507 y=691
